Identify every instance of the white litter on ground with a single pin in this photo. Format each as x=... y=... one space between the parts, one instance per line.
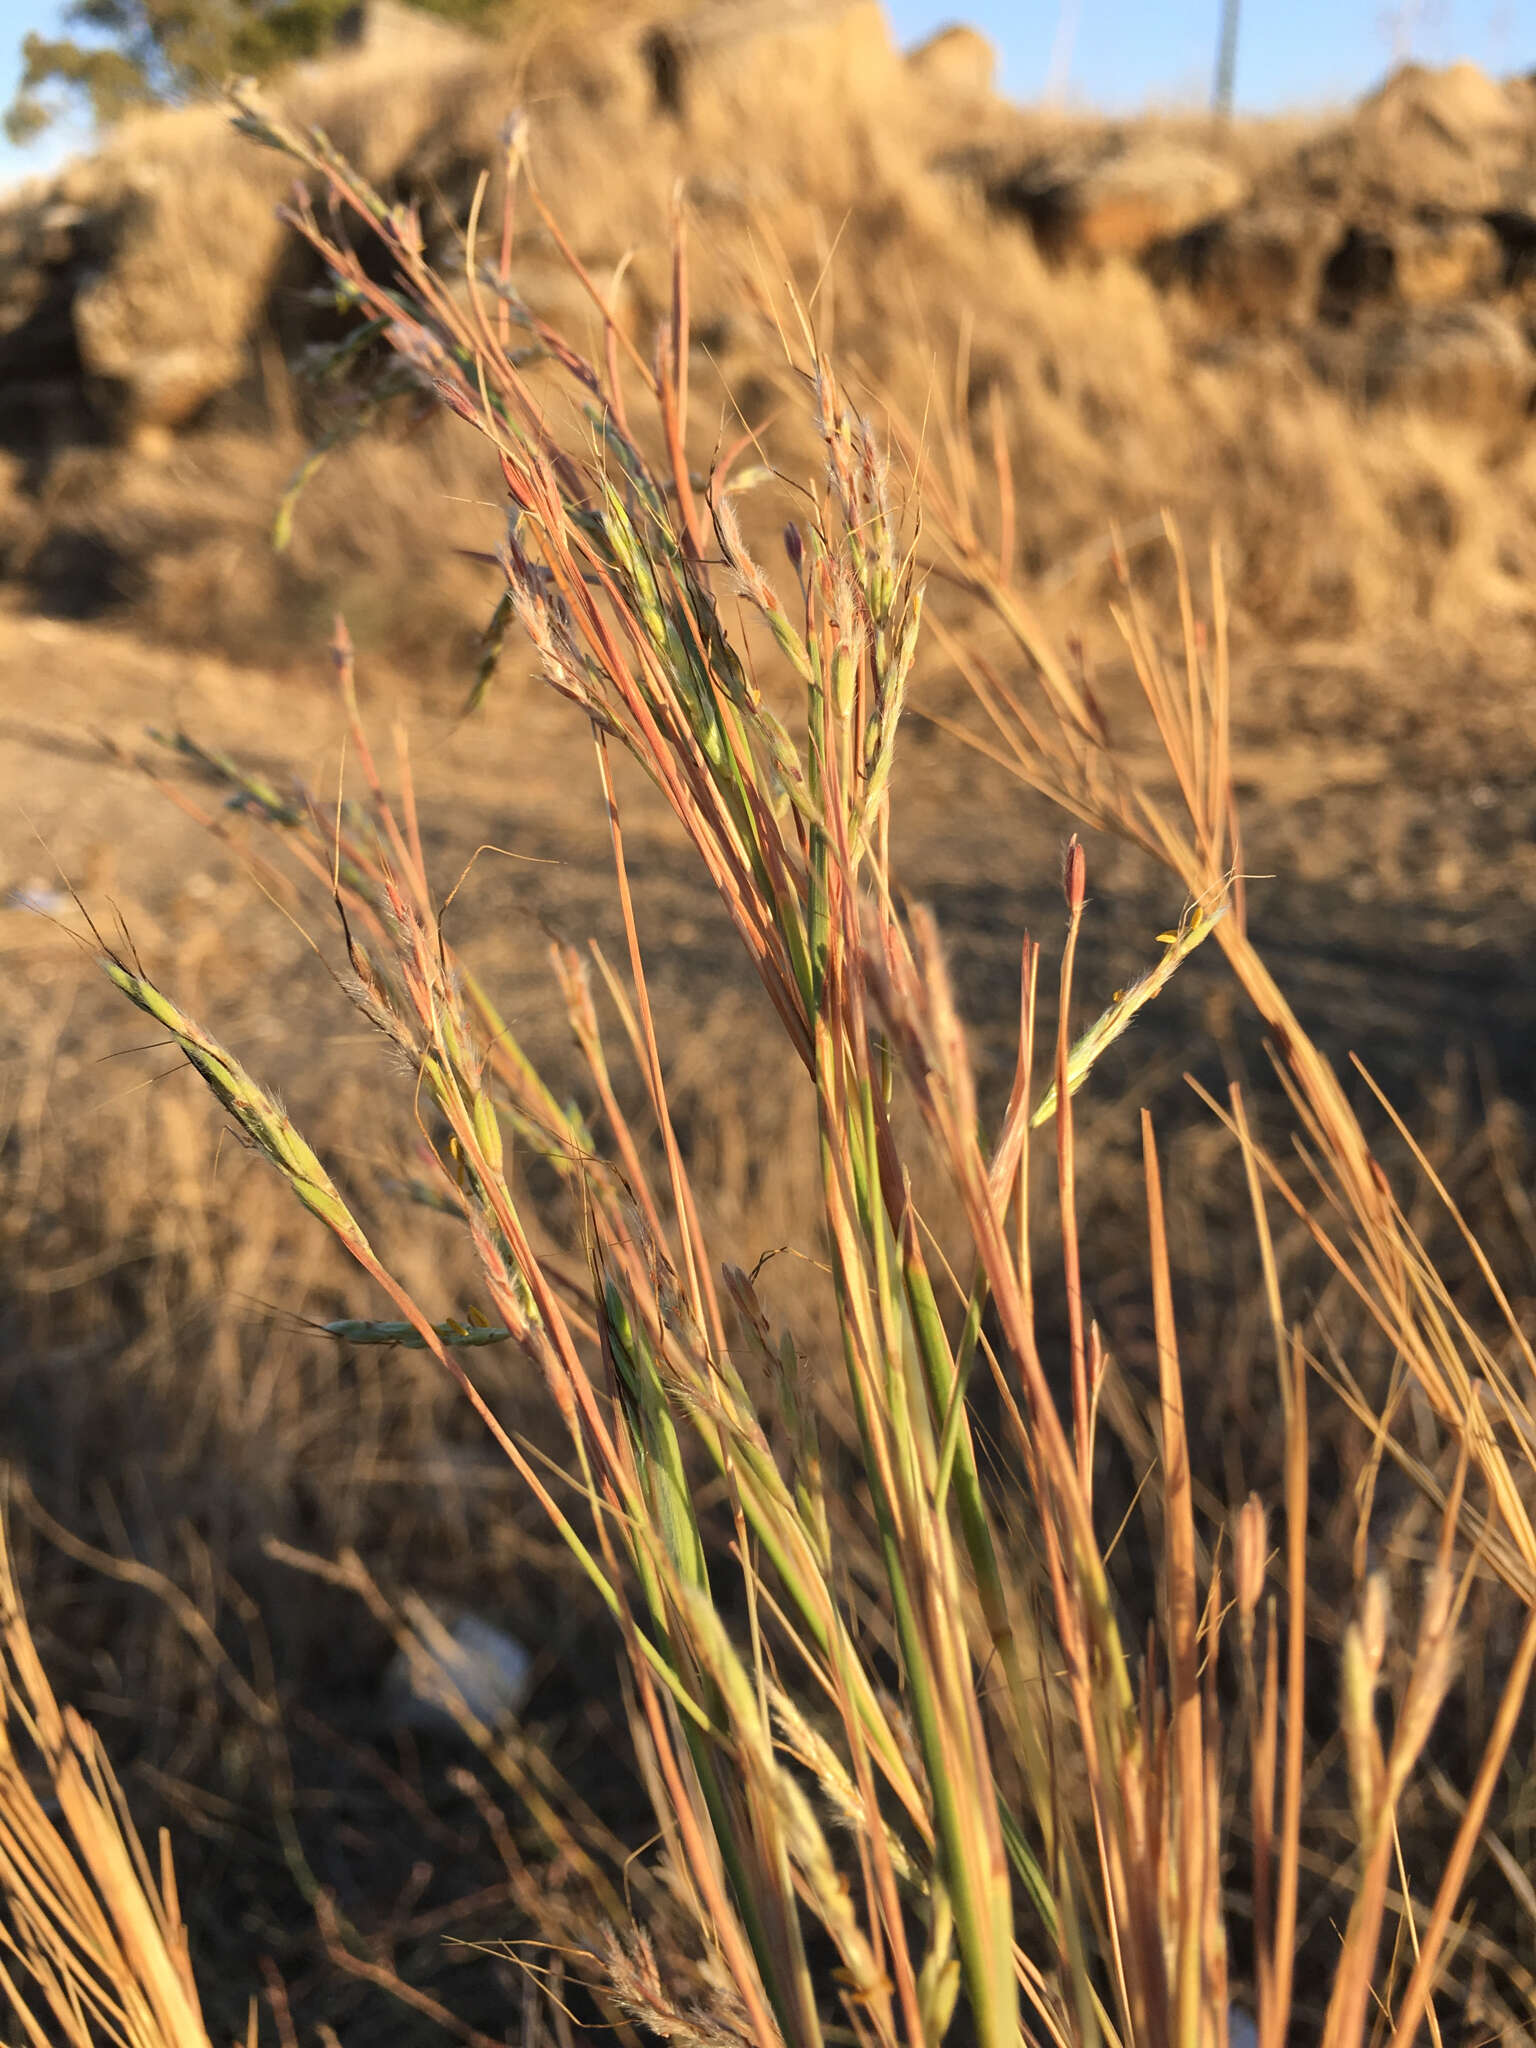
x=471 y=1663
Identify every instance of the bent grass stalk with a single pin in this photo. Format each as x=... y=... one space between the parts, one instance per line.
x=1194 y=928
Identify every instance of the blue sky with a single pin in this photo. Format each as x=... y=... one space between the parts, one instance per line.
x=1291 y=53
x=1116 y=53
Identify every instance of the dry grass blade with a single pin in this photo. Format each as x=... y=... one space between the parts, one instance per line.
x=1181 y=1592
x=96 y=1942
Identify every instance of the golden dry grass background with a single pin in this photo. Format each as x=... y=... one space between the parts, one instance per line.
x=1254 y=383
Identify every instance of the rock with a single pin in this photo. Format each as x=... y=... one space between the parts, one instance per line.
x=1460 y=105
x=1446 y=139
x=958 y=62
x=391 y=26
x=473 y=1662
x=1425 y=259
x=1469 y=364
x=39 y=236
x=1515 y=227
x=1118 y=197
x=163 y=323
x=1361 y=269
x=1439 y=257
x=152 y=443
x=1259 y=267
x=712 y=55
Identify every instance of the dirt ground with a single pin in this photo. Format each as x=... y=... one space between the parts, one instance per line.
x=1390 y=832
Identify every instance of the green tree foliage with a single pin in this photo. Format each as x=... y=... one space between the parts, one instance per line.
x=116 y=55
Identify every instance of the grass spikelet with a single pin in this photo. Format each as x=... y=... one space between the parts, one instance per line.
x=1194 y=928
x=258 y=1113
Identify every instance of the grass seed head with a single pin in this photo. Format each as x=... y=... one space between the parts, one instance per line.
x=1250 y=1550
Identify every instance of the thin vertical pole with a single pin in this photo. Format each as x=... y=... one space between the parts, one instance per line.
x=1058 y=74
x=1226 y=60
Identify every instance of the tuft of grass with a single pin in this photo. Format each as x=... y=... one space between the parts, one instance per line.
x=92 y=1946
x=930 y=1783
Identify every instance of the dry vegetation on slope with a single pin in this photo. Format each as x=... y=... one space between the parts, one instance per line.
x=1312 y=337
x=1307 y=337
